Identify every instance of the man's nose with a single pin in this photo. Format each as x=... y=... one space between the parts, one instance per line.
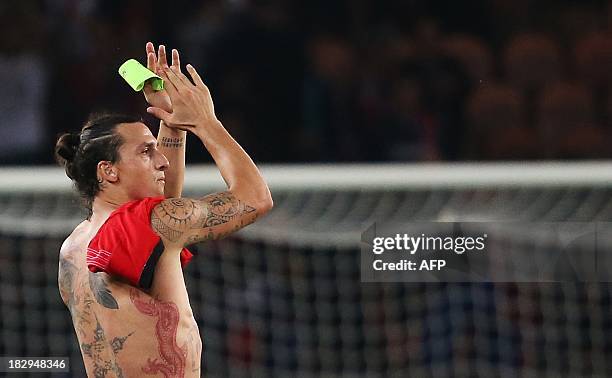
x=162 y=162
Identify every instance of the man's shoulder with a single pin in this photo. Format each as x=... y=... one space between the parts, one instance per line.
x=75 y=240
x=138 y=207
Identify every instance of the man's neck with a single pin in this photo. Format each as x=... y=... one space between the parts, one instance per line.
x=102 y=207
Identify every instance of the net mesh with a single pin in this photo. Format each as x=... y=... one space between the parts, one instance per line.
x=284 y=298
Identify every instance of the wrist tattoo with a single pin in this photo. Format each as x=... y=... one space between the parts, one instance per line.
x=172 y=142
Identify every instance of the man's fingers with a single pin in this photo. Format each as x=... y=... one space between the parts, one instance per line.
x=161 y=56
x=170 y=83
x=176 y=60
x=159 y=113
x=151 y=58
x=195 y=76
x=173 y=71
x=176 y=67
x=180 y=77
x=151 y=64
x=150 y=48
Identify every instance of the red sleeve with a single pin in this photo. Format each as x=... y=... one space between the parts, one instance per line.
x=126 y=245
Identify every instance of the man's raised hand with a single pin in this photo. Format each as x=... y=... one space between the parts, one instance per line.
x=192 y=105
x=155 y=61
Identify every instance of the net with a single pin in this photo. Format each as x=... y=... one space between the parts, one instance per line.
x=284 y=296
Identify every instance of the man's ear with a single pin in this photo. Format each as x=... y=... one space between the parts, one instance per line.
x=107 y=172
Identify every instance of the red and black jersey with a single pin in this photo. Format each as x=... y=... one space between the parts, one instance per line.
x=126 y=245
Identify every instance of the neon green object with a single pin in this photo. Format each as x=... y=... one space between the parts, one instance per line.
x=136 y=75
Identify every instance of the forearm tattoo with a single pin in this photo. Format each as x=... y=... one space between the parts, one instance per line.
x=170 y=142
x=176 y=217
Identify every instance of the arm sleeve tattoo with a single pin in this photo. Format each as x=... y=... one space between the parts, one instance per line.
x=194 y=220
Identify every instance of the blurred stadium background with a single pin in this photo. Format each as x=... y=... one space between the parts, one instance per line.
x=417 y=87
x=283 y=297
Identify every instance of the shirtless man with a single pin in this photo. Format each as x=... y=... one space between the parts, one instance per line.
x=120 y=271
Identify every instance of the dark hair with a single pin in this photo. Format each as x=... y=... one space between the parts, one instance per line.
x=80 y=153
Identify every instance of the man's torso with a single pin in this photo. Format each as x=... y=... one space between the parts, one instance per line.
x=122 y=330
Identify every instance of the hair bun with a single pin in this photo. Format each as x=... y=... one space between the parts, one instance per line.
x=67 y=146
x=65 y=151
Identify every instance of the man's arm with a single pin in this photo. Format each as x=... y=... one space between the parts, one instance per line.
x=171 y=143
x=185 y=221
x=189 y=220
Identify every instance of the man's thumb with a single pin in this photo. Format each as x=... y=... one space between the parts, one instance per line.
x=159 y=113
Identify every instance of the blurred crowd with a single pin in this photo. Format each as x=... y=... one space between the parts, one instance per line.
x=326 y=81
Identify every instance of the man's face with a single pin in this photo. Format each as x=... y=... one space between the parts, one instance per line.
x=141 y=166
